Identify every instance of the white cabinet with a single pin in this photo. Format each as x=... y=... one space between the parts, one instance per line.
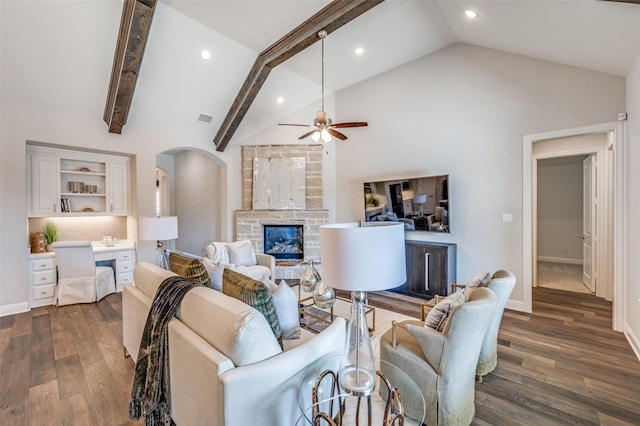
x=72 y=183
x=125 y=262
x=43 y=172
x=118 y=187
x=42 y=280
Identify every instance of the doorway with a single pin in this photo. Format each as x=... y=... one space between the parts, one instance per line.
x=563 y=255
x=612 y=154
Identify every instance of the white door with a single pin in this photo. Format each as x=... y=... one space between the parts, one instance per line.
x=589 y=215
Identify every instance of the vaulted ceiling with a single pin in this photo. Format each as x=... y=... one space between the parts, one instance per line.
x=597 y=35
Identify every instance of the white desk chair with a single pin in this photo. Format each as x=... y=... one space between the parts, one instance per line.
x=79 y=279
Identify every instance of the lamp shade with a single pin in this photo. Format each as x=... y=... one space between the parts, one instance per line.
x=363 y=258
x=157 y=228
x=420 y=198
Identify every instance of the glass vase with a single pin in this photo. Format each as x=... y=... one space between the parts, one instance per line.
x=310 y=278
x=324 y=296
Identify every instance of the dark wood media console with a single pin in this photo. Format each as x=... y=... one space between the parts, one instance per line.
x=431 y=267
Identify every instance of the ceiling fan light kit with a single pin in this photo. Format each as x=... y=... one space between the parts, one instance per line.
x=323 y=126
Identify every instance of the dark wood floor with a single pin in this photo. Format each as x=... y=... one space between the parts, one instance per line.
x=560 y=365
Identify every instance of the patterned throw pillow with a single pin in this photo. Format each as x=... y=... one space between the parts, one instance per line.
x=438 y=315
x=480 y=280
x=253 y=293
x=189 y=268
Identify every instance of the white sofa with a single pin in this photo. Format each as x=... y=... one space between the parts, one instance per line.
x=226 y=366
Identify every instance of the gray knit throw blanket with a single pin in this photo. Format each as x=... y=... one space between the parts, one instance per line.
x=150 y=392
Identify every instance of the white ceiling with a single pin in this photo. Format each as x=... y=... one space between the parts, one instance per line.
x=597 y=35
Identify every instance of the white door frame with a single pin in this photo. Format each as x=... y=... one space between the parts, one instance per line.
x=619 y=213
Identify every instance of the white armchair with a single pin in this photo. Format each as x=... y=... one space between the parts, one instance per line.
x=443 y=364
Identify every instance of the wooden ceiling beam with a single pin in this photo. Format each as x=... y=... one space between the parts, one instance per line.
x=333 y=16
x=135 y=26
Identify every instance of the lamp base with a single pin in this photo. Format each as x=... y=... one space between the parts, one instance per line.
x=161 y=257
x=357 y=374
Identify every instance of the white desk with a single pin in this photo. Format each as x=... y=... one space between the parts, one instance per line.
x=42 y=277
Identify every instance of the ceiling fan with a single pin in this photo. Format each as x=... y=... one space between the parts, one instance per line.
x=324 y=127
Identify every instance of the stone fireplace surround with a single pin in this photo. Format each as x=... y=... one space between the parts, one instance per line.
x=249 y=223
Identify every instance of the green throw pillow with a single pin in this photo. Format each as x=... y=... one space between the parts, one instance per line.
x=253 y=293
x=189 y=268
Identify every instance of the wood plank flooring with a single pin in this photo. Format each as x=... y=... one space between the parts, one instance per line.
x=560 y=365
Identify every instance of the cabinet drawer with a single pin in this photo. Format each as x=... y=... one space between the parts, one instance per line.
x=124 y=266
x=102 y=256
x=40 y=264
x=43 y=277
x=123 y=279
x=125 y=255
x=43 y=291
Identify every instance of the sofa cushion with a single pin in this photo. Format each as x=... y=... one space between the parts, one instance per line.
x=148 y=278
x=438 y=315
x=286 y=302
x=189 y=268
x=253 y=293
x=241 y=253
x=234 y=328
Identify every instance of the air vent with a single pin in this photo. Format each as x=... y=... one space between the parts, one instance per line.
x=205 y=118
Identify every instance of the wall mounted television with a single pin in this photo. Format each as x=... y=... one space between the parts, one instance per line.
x=422 y=203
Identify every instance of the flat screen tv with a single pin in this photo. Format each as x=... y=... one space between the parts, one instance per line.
x=422 y=203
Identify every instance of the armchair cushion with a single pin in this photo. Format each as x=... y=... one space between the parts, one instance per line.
x=479 y=280
x=241 y=253
x=439 y=314
x=253 y=293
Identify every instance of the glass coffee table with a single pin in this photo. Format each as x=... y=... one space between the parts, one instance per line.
x=321 y=402
x=317 y=319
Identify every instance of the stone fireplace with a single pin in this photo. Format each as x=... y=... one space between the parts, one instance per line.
x=250 y=224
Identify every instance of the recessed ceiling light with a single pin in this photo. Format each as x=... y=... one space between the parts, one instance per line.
x=280 y=100
x=359 y=50
x=205 y=55
x=471 y=13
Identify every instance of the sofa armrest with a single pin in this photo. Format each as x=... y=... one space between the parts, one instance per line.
x=268 y=261
x=273 y=383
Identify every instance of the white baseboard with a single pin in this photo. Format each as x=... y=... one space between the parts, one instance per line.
x=634 y=341
x=16 y=308
x=559 y=260
x=516 y=305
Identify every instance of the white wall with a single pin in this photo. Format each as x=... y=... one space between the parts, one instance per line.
x=463 y=111
x=197 y=194
x=51 y=97
x=632 y=272
x=560 y=209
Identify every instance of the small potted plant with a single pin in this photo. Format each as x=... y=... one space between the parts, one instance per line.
x=50 y=234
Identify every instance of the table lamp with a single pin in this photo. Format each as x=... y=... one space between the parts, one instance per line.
x=360 y=258
x=420 y=199
x=158 y=229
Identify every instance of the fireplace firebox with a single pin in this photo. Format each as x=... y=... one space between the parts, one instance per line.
x=284 y=242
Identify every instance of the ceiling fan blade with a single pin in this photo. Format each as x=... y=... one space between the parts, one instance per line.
x=290 y=124
x=350 y=124
x=337 y=134
x=307 y=134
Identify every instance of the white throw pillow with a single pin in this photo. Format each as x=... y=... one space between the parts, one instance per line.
x=286 y=302
x=241 y=253
x=215 y=273
x=217 y=252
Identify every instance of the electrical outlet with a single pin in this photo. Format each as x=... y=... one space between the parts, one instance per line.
x=565 y=249
x=507 y=217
